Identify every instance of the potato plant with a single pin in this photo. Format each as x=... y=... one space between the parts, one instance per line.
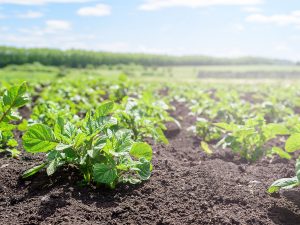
x=145 y=117
x=11 y=99
x=249 y=140
x=99 y=148
x=286 y=183
x=292 y=144
x=206 y=130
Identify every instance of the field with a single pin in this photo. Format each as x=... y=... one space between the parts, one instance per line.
x=130 y=144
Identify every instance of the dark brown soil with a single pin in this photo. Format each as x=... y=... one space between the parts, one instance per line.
x=186 y=188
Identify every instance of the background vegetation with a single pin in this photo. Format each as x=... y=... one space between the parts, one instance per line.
x=81 y=58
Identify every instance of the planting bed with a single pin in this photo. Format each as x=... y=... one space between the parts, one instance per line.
x=186 y=187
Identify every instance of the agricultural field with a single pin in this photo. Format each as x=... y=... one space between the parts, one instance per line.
x=122 y=144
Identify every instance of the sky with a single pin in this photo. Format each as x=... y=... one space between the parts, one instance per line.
x=230 y=28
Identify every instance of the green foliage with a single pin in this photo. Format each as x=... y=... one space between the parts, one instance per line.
x=11 y=99
x=40 y=139
x=81 y=58
x=205 y=148
x=206 y=130
x=249 y=139
x=283 y=154
x=145 y=117
x=103 y=151
x=120 y=89
x=293 y=143
x=287 y=183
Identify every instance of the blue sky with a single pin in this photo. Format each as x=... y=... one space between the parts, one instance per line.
x=268 y=28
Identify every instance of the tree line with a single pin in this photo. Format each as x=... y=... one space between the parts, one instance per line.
x=83 y=58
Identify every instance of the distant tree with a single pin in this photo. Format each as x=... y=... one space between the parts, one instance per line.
x=83 y=59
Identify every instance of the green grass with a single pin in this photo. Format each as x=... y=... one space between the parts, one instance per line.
x=38 y=72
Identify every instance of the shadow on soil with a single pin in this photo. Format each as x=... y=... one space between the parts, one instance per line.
x=57 y=191
x=293 y=196
x=283 y=216
x=280 y=215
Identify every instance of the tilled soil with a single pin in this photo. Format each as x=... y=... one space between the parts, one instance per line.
x=186 y=188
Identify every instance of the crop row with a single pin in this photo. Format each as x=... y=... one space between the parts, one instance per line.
x=103 y=127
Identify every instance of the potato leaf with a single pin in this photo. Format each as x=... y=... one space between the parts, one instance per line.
x=104 y=173
x=284 y=183
x=141 y=150
x=14 y=97
x=144 y=169
x=104 y=109
x=33 y=170
x=51 y=169
x=298 y=169
x=293 y=143
x=281 y=153
x=206 y=148
x=226 y=126
x=39 y=138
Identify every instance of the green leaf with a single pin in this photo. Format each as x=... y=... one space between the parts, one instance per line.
x=278 y=129
x=97 y=125
x=52 y=155
x=206 y=148
x=281 y=153
x=130 y=179
x=33 y=170
x=39 y=138
x=12 y=143
x=123 y=167
x=104 y=173
x=52 y=167
x=284 y=183
x=70 y=130
x=141 y=150
x=14 y=96
x=161 y=136
x=298 y=169
x=144 y=169
x=226 y=126
x=79 y=139
x=14 y=152
x=6 y=127
x=93 y=153
x=124 y=141
x=293 y=143
x=70 y=154
x=271 y=130
x=104 y=109
x=23 y=126
x=62 y=147
x=59 y=126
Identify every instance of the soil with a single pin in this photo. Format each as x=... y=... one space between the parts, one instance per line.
x=186 y=187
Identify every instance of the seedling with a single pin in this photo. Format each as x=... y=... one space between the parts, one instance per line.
x=145 y=117
x=249 y=139
x=11 y=99
x=287 y=183
x=100 y=149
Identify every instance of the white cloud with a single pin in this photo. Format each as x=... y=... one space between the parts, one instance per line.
x=40 y=2
x=149 y=5
x=250 y=9
x=292 y=18
x=31 y=15
x=57 y=25
x=98 y=10
x=52 y=27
